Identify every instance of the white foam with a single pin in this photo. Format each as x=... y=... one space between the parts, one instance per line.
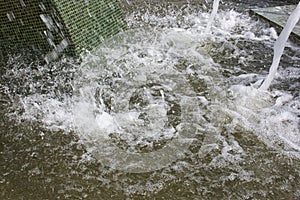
x=157 y=64
x=272 y=120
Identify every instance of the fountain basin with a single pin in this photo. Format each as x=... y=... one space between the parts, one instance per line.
x=59 y=121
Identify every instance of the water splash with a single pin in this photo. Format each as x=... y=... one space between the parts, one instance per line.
x=267 y=116
x=122 y=86
x=143 y=118
x=171 y=73
x=279 y=46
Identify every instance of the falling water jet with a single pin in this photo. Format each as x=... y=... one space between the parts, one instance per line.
x=212 y=15
x=279 y=46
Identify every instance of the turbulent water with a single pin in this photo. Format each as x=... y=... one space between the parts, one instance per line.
x=162 y=110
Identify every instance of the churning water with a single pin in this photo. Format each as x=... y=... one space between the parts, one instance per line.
x=163 y=111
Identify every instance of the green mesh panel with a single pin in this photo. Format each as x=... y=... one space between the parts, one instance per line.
x=21 y=23
x=47 y=24
x=90 y=21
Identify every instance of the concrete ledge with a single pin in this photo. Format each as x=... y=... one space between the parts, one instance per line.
x=278 y=16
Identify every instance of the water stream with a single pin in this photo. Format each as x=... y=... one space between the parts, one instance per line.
x=161 y=111
x=280 y=45
x=212 y=15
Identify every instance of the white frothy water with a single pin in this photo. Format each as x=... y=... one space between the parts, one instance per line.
x=280 y=45
x=143 y=97
x=147 y=103
x=271 y=116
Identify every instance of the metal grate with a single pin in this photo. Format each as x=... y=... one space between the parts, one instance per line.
x=53 y=26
